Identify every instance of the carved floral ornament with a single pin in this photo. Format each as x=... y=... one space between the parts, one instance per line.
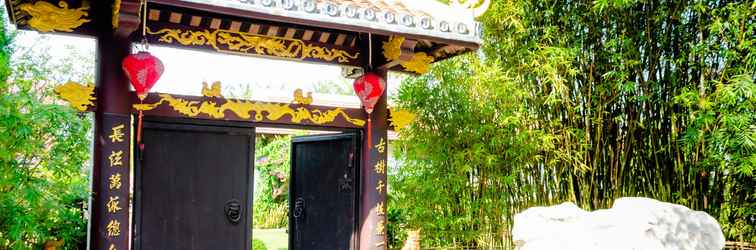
x=400 y=118
x=46 y=17
x=392 y=49
x=247 y=43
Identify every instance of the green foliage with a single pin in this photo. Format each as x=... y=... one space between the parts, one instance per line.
x=469 y=139
x=585 y=101
x=44 y=147
x=258 y=245
x=271 y=196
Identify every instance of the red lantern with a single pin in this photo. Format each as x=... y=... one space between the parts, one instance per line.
x=143 y=71
x=369 y=88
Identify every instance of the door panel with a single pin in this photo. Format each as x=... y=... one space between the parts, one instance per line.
x=194 y=187
x=322 y=195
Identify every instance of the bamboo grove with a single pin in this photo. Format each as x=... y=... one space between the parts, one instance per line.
x=583 y=101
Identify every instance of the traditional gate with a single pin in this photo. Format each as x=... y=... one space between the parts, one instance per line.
x=198 y=197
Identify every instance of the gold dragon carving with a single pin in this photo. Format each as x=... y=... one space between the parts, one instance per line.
x=46 y=17
x=80 y=96
x=246 y=43
x=245 y=109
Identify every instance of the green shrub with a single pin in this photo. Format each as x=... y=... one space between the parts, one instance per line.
x=271 y=195
x=258 y=245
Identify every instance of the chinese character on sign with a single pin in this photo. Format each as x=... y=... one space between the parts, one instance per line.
x=117 y=135
x=381 y=146
x=114 y=181
x=116 y=158
x=113 y=228
x=379 y=209
x=380 y=227
x=112 y=247
x=380 y=244
x=380 y=167
x=113 y=204
x=379 y=187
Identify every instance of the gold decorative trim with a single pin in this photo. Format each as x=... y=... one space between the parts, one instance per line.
x=244 y=109
x=247 y=43
x=299 y=98
x=46 y=17
x=420 y=63
x=400 y=118
x=77 y=95
x=392 y=49
x=116 y=13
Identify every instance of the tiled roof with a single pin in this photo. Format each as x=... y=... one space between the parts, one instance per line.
x=426 y=18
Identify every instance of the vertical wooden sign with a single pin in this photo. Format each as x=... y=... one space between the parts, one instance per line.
x=112 y=204
x=374 y=182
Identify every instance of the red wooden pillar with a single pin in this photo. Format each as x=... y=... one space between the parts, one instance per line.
x=374 y=182
x=111 y=173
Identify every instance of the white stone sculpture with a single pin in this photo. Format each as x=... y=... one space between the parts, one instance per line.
x=631 y=224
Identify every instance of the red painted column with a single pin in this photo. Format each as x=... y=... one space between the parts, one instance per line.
x=111 y=174
x=373 y=183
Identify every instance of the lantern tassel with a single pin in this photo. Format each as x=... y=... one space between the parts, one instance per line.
x=369 y=134
x=139 y=133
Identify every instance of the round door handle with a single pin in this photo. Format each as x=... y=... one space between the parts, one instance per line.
x=233 y=211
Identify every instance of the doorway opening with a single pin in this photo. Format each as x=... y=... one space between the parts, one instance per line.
x=271 y=210
x=305 y=189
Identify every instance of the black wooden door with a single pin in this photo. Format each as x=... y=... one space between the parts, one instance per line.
x=193 y=188
x=322 y=195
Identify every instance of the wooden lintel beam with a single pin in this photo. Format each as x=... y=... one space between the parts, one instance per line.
x=263 y=113
x=244 y=43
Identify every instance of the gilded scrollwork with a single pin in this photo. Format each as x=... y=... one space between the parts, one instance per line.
x=246 y=43
x=47 y=17
x=80 y=96
x=245 y=110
